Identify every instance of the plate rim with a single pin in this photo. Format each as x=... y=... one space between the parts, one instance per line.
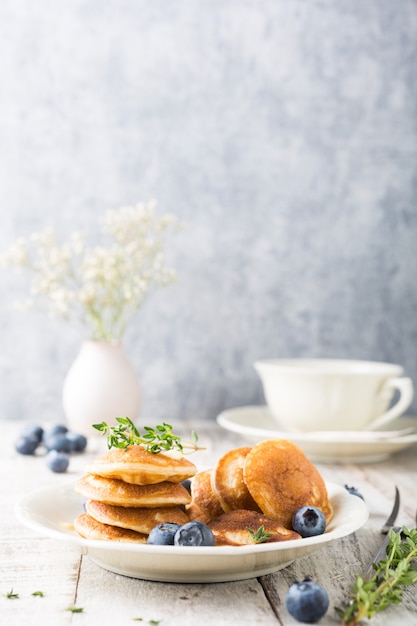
x=335 y=490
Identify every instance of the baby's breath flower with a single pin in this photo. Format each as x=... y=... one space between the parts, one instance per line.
x=104 y=286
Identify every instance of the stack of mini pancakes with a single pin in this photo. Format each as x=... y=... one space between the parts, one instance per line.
x=257 y=486
x=128 y=492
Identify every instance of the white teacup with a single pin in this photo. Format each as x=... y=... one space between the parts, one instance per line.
x=307 y=395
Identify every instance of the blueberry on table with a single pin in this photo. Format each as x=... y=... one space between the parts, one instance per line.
x=77 y=441
x=57 y=462
x=309 y=521
x=57 y=429
x=194 y=534
x=306 y=601
x=26 y=444
x=163 y=534
x=58 y=442
x=32 y=430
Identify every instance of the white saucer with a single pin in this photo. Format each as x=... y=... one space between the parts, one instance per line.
x=256 y=423
x=50 y=511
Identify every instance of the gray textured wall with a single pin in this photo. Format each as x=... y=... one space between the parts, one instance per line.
x=282 y=132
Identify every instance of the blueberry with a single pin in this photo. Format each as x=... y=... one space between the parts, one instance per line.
x=163 y=534
x=309 y=521
x=194 y=534
x=57 y=429
x=306 y=601
x=33 y=430
x=354 y=492
x=57 y=461
x=187 y=484
x=77 y=441
x=26 y=444
x=58 y=442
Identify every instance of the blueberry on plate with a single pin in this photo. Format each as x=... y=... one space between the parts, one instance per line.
x=57 y=462
x=187 y=484
x=306 y=601
x=194 y=534
x=163 y=534
x=309 y=521
x=26 y=444
x=77 y=441
x=354 y=492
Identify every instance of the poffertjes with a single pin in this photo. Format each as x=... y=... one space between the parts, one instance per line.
x=89 y=528
x=138 y=466
x=203 y=495
x=281 y=479
x=228 y=482
x=139 y=519
x=117 y=492
x=232 y=529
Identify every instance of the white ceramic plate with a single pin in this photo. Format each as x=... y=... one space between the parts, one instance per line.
x=51 y=510
x=256 y=423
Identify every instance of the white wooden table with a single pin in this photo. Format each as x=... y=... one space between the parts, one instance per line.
x=30 y=563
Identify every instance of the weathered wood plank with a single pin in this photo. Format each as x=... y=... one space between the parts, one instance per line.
x=234 y=603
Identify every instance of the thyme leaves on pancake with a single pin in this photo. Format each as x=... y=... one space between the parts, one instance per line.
x=259 y=536
x=155 y=440
x=387 y=582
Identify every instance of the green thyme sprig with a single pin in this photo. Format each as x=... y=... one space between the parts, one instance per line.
x=259 y=536
x=385 y=587
x=155 y=440
x=74 y=609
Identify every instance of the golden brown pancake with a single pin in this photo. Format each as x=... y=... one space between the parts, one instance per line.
x=89 y=528
x=232 y=528
x=119 y=493
x=195 y=514
x=203 y=495
x=137 y=466
x=228 y=483
x=281 y=479
x=141 y=520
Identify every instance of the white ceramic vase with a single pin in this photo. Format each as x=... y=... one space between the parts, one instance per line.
x=100 y=385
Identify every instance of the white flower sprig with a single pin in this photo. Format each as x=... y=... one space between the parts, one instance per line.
x=102 y=287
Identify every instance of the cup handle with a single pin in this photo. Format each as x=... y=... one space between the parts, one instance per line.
x=405 y=387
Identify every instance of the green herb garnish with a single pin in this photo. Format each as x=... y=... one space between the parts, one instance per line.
x=11 y=595
x=155 y=440
x=386 y=585
x=260 y=536
x=74 y=609
x=39 y=594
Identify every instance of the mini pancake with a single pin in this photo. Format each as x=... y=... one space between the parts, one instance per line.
x=203 y=495
x=89 y=528
x=281 y=479
x=119 y=493
x=137 y=466
x=231 y=529
x=195 y=514
x=141 y=520
x=228 y=483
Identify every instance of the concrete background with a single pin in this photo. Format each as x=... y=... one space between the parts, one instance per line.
x=282 y=132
